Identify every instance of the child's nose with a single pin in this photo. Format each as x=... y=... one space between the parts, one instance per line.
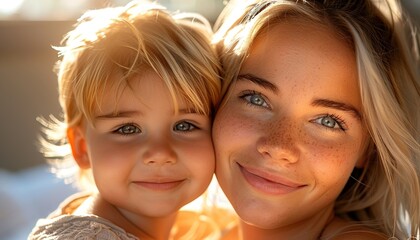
x=159 y=151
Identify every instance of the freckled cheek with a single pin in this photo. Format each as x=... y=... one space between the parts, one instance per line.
x=331 y=158
x=232 y=127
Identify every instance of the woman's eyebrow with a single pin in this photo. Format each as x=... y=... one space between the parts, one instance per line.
x=337 y=105
x=259 y=81
x=318 y=102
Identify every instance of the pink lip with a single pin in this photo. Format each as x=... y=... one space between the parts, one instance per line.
x=160 y=185
x=268 y=183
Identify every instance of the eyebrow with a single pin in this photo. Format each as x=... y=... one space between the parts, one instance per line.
x=118 y=115
x=337 y=105
x=188 y=110
x=124 y=114
x=259 y=81
x=318 y=102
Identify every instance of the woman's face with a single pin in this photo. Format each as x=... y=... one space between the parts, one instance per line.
x=291 y=131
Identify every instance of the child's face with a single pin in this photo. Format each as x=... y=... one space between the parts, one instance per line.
x=146 y=159
x=291 y=132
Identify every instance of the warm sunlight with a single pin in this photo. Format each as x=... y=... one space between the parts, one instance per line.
x=62 y=10
x=8 y=7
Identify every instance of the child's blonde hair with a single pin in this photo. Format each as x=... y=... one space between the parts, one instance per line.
x=124 y=42
x=386 y=193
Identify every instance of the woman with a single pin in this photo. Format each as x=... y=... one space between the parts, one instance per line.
x=318 y=133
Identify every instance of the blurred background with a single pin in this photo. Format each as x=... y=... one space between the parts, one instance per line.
x=28 y=89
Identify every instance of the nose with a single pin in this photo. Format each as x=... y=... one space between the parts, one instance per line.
x=279 y=141
x=159 y=152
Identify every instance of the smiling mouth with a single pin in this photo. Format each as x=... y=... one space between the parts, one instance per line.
x=159 y=186
x=267 y=184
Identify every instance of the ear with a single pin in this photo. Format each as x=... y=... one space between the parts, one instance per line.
x=77 y=142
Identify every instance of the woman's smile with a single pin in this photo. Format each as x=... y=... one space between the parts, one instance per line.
x=267 y=182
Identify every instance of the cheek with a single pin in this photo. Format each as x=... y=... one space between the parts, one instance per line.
x=104 y=152
x=111 y=165
x=332 y=148
x=198 y=155
x=333 y=163
x=231 y=129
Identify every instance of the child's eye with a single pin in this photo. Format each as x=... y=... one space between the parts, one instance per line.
x=184 y=126
x=254 y=98
x=331 y=121
x=128 y=129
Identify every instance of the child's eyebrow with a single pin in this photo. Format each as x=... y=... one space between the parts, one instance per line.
x=121 y=114
x=188 y=110
x=124 y=114
x=337 y=105
x=259 y=81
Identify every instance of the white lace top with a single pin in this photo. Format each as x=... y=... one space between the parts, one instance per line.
x=61 y=224
x=78 y=227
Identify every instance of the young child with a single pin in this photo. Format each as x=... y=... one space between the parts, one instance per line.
x=317 y=136
x=138 y=87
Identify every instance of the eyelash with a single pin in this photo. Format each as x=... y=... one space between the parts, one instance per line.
x=137 y=130
x=337 y=119
x=194 y=127
x=119 y=130
x=249 y=93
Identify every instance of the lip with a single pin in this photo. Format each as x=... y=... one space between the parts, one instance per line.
x=159 y=185
x=269 y=183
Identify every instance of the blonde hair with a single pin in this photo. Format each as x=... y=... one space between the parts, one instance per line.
x=125 y=42
x=385 y=194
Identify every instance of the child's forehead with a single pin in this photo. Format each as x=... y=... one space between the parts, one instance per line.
x=142 y=85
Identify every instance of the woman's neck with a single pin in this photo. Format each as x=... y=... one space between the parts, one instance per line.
x=309 y=229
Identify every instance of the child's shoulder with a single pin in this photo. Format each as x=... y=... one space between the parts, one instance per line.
x=68 y=223
x=340 y=229
x=78 y=227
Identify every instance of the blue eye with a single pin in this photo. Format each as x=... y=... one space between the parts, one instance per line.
x=184 y=126
x=128 y=129
x=331 y=121
x=255 y=98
